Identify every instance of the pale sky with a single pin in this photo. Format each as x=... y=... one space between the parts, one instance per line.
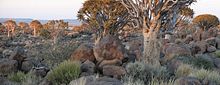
x=67 y=9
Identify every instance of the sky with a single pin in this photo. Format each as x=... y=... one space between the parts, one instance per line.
x=67 y=9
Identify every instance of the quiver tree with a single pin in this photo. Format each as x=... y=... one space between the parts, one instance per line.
x=62 y=24
x=11 y=26
x=37 y=26
x=206 y=21
x=153 y=16
x=24 y=26
x=104 y=16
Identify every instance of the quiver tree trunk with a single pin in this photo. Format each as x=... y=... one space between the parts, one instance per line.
x=151 y=53
x=8 y=32
x=35 y=32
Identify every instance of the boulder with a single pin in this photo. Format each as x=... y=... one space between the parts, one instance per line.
x=201 y=45
x=83 y=52
x=8 y=66
x=87 y=68
x=113 y=71
x=211 y=49
x=27 y=65
x=106 y=81
x=172 y=50
x=187 y=81
x=109 y=51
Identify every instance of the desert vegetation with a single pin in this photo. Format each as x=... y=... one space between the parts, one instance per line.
x=119 y=42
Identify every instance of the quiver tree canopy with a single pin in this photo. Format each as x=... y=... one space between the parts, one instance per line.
x=104 y=16
x=206 y=21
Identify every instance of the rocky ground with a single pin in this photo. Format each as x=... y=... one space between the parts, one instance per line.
x=186 y=58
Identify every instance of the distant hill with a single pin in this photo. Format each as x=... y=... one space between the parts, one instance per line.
x=27 y=20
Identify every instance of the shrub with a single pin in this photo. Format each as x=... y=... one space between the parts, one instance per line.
x=45 y=33
x=162 y=82
x=203 y=62
x=64 y=73
x=31 y=79
x=217 y=53
x=25 y=79
x=183 y=70
x=17 y=77
x=144 y=72
x=206 y=21
x=55 y=54
x=207 y=74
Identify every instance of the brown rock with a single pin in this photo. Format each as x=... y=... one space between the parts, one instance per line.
x=109 y=50
x=114 y=71
x=83 y=52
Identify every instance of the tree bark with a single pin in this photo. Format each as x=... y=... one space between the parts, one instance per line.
x=151 y=53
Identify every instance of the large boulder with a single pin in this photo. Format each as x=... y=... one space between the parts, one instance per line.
x=109 y=51
x=83 y=52
x=172 y=50
x=187 y=81
x=113 y=71
x=8 y=66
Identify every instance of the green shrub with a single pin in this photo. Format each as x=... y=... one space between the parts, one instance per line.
x=17 y=77
x=55 y=54
x=64 y=73
x=202 y=62
x=207 y=74
x=25 y=79
x=31 y=79
x=183 y=70
x=162 y=82
x=144 y=72
x=217 y=53
x=45 y=33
